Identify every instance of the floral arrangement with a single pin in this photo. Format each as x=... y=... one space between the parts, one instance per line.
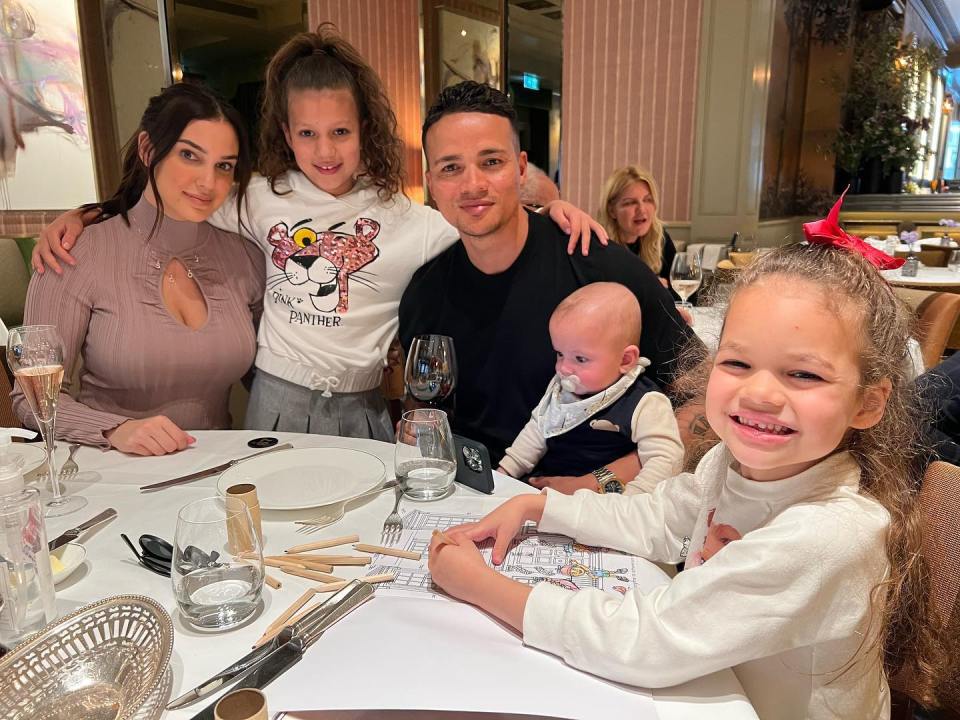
x=949 y=222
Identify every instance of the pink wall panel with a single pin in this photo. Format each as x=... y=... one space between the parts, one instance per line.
x=387 y=33
x=629 y=88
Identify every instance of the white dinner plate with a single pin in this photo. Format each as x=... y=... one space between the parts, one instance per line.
x=307 y=477
x=32 y=455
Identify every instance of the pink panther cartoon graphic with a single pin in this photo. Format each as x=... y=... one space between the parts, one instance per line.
x=323 y=261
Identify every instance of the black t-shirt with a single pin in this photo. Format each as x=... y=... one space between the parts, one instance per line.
x=499 y=324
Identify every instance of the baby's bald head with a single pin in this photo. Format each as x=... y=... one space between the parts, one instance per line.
x=603 y=305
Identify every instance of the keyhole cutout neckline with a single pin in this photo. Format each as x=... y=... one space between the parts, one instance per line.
x=182 y=295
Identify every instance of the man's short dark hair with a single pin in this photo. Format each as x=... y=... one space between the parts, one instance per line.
x=469 y=97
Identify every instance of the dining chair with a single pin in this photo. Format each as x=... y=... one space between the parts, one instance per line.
x=937 y=314
x=7 y=417
x=940 y=505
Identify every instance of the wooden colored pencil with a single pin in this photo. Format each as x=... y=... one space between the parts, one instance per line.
x=284 y=616
x=320 y=544
x=393 y=552
x=313 y=575
x=272 y=581
x=333 y=587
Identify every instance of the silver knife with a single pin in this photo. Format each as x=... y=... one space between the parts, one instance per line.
x=73 y=533
x=310 y=627
x=210 y=471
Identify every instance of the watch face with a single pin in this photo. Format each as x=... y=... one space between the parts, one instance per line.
x=613 y=486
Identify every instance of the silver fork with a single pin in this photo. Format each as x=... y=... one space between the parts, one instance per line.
x=393 y=525
x=69 y=469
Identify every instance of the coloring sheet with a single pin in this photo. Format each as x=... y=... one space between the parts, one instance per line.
x=534 y=557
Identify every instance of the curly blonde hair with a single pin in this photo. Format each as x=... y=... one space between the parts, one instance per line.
x=891 y=455
x=323 y=60
x=650 y=245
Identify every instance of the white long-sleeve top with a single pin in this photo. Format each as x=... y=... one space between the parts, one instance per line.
x=779 y=588
x=336 y=269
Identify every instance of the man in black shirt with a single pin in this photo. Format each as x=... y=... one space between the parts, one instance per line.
x=493 y=292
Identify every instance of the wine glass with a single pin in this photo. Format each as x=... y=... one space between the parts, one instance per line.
x=425 y=457
x=431 y=371
x=685 y=276
x=35 y=355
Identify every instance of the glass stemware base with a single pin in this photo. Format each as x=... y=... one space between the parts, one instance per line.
x=64 y=505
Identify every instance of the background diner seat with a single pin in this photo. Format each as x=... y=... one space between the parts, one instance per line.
x=940 y=505
x=937 y=314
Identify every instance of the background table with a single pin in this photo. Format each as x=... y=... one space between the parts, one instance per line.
x=112 y=480
x=928 y=278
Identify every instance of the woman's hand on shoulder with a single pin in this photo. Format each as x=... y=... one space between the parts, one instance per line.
x=56 y=240
x=577 y=224
x=157 y=435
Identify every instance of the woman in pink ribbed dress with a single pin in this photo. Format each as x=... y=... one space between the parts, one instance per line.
x=162 y=307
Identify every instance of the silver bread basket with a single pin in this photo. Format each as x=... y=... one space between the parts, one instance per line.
x=98 y=663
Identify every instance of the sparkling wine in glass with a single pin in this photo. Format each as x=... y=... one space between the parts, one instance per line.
x=685 y=275
x=35 y=355
x=431 y=371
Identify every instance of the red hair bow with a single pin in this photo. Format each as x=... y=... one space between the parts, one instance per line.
x=829 y=232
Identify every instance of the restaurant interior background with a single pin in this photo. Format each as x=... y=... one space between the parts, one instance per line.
x=752 y=114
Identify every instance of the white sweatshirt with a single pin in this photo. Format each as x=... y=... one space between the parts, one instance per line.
x=336 y=269
x=780 y=590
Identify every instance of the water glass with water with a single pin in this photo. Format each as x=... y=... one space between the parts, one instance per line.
x=953 y=262
x=425 y=459
x=217 y=570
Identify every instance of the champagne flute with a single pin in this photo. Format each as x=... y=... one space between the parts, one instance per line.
x=35 y=355
x=431 y=371
x=685 y=275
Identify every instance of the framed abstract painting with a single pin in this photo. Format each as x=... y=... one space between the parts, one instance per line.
x=46 y=157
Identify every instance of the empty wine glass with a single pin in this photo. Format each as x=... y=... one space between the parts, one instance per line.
x=685 y=276
x=431 y=371
x=35 y=355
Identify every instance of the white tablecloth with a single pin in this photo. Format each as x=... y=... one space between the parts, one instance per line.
x=934 y=276
x=112 y=480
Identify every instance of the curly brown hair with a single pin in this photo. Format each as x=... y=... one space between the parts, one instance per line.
x=323 y=60
x=891 y=455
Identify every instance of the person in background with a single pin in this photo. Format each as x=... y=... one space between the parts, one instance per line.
x=940 y=389
x=801 y=530
x=598 y=406
x=537 y=190
x=628 y=211
x=161 y=306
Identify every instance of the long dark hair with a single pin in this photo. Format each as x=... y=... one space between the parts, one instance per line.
x=323 y=60
x=163 y=121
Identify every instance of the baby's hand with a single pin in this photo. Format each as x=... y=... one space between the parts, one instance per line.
x=565 y=484
x=456 y=564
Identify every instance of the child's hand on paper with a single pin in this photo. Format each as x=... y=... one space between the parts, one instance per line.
x=457 y=566
x=504 y=523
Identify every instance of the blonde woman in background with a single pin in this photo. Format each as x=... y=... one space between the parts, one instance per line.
x=628 y=211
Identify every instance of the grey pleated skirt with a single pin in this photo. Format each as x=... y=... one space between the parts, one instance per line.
x=281 y=406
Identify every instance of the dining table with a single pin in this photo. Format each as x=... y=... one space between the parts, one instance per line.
x=355 y=675
x=927 y=278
